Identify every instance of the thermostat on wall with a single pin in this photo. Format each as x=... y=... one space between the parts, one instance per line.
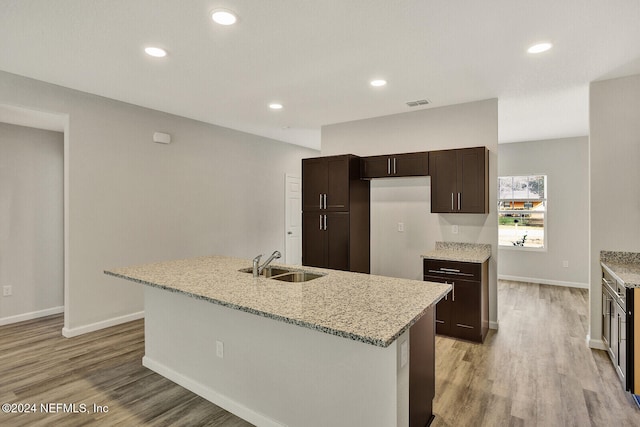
x=162 y=138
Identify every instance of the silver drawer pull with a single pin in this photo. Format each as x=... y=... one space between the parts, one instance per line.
x=439 y=321
x=450 y=273
x=450 y=269
x=464 y=326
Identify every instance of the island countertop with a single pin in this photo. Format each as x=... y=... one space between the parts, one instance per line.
x=367 y=308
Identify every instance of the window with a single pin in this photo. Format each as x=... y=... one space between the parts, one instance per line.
x=522 y=209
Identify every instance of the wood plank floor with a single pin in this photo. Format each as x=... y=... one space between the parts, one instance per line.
x=38 y=365
x=536 y=371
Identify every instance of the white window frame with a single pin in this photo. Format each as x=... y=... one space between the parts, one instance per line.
x=545 y=213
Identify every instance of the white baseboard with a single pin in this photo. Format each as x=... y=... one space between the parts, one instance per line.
x=597 y=344
x=74 y=332
x=211 y=395
x=544 y=281
x=32 y=315
x=493 y=325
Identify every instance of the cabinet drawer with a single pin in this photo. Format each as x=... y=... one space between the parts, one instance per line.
x=452 y=270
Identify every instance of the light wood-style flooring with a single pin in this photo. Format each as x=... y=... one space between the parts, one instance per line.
x=536 y=371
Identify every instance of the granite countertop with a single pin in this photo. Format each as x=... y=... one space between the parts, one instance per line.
x=462 y=252
x=625 y=266
x=371 y=309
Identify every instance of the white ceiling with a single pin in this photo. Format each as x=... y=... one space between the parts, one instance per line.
x=316 y=57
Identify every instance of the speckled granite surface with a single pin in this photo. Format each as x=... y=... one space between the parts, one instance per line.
x=463 y=252
x=362 y=307
x=624 y=265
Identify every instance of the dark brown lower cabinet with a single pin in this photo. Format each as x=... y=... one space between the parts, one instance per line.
x=464 y=313
x=326 y=242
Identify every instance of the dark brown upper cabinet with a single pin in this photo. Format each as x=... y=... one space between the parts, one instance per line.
x=460 y=180
x=326 y=182
x=395 y=165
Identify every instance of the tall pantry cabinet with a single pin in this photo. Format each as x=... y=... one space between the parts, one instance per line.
x=335 y=214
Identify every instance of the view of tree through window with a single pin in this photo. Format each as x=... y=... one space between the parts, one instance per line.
x=522 y=207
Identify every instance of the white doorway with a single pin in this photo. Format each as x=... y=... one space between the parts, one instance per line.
x=293 y=220
x=33 y=211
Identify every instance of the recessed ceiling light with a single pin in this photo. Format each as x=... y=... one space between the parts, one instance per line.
x=223 y=16
x=275 y=106
x=378 y=82
x=155 y=52
x=540 y=47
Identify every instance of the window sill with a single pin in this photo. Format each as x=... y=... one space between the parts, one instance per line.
x=521 y=248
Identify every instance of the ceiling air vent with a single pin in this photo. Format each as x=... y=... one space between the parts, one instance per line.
x=418 y=102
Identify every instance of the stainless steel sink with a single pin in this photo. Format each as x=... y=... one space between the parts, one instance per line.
x=285 y=274
x=297 y=276
x=269 y=271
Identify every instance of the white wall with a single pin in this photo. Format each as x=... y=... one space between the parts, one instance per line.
x=31 y=222
x=566 y=164
x=614 y=152
x=211 y=191
x=407 y=200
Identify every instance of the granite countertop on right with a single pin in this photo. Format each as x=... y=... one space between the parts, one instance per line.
x=625 y=266
x=462 y=252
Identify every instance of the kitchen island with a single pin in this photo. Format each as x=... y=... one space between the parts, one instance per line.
x=343 y=349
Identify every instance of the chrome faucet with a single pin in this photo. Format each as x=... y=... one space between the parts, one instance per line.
x=257 y=268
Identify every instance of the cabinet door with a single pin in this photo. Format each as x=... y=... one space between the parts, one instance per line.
x=337 y=183
x=375 y=167
x=314 y=246
x=411 y=164
x=621 y=365
x=443 y=170
x=443 y=308
x=606 y=320
x=314 y=183
x=465 y=310
x=471 y=181
x=337 y=235
x=443 y=316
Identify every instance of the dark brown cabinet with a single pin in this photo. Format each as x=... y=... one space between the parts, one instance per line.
x=327 y=236
x=459 y=180
x=326 y=182
x=335 y=218
x=464 y=313
x=395 y=165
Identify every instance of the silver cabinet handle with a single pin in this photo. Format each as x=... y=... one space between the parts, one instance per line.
x=389 y=166
x=452 y=201
x=325 y=200
x=394 y=166
x=619 y=327
x=320 y=222
x=453 y=295
x=320 y=201
x=459 y=201
x=460 y=325
x=325 y=222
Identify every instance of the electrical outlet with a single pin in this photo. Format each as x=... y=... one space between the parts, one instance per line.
x=7 y=291
x=565 y=264
x=454 y=229
x=400 y=227
x=220 y=349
